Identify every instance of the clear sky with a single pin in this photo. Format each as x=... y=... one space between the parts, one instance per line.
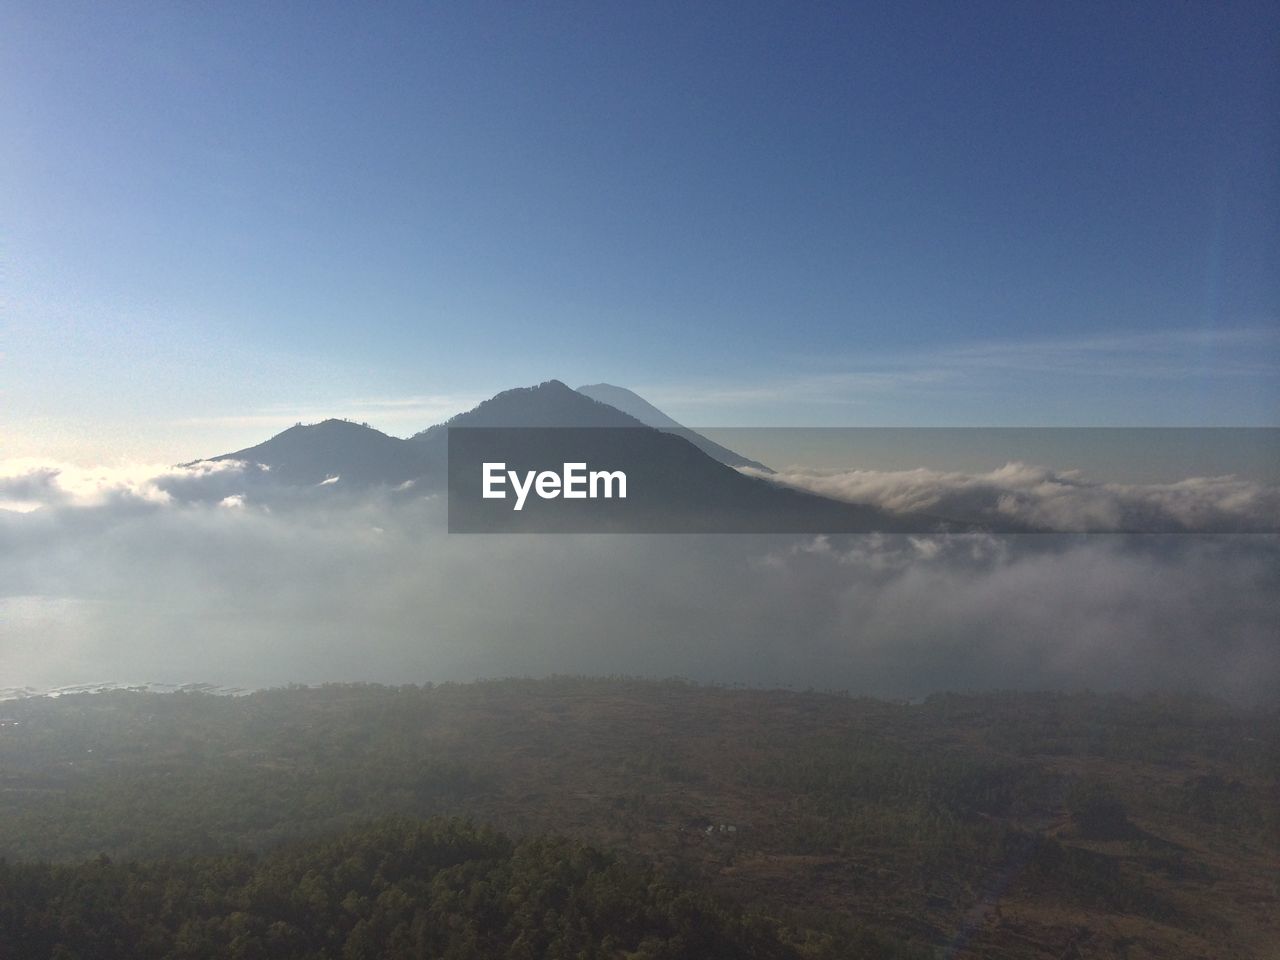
x=221 y=218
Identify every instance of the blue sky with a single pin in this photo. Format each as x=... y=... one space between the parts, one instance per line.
x=219 y=219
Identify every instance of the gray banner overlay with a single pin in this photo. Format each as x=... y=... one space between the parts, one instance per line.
x=864 y=480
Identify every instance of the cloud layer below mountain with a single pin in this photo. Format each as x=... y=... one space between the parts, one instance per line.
x=1063 y=501
x=195 y=574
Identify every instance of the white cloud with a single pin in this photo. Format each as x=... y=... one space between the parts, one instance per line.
x=36 y=483
x=337 y=587
x=926 y=378
x=1062 y=501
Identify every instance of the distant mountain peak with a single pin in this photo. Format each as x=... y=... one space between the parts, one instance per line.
x=548 y=404
x=631 y=403
x=311 y=453
x=334 y=424
x=315 y=454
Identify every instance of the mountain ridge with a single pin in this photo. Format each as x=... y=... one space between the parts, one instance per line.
x=309 y=454
x=551 y=403
x=360 y=455
x=678 y=486
x=630 y=402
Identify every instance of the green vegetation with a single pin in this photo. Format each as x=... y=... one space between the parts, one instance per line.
x=1008 y=823
x=149 y=775
x=445 y=889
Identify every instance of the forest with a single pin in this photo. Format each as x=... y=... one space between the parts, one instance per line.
x=617 y=817
x=399 y=890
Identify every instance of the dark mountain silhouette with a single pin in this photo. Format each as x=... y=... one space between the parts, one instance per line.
x=672 y=487
x=549 y=404
x=637 y=406
x=673 y=484
x=360 y=456
x=357 y=455
x=629 y=402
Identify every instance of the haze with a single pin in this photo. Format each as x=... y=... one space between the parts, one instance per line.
x=223 y=220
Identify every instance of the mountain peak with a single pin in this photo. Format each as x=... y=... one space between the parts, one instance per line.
x=334 y=424
x=547 y=404
x=309 y=454
x=324 y=431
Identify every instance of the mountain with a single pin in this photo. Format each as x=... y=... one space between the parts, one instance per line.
x=629 y=402
x=549 y=404
x=307 y=455
x=360 y=456
x=637 y=406
x=674 y=484
x=672 y=487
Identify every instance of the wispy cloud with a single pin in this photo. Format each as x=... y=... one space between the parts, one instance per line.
x=1248 y=352
x=845 y=387
x=1173 y=357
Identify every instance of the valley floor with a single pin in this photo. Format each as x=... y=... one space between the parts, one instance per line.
x=1002 y=825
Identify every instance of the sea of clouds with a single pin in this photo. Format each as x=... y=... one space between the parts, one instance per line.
x=1059 y=500
x=212 y=573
